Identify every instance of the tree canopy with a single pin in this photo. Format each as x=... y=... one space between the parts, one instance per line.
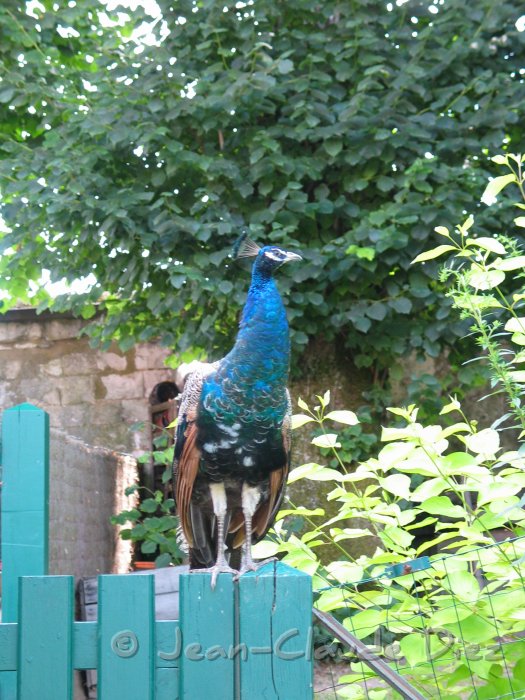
x=136 y=149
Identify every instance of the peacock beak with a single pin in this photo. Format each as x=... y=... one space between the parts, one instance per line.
x=292 y=256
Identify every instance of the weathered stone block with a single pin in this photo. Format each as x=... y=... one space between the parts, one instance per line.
x=79 y=363
x=62 y=329
x=34 y=390
x=76 y=390
x=155 y=376
x=134 y=411
x=112 y=361
x=10 y=369
x=106 y=413
x=150 y=356
x=53 y=368
x=124 y=386
x=14 y=332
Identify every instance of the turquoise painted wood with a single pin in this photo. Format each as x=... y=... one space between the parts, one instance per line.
x=243 y=640
x=126 y=650
x=275 y=630
x=45 y=640
x=25 y=500
x=208 y=636
x=25 y=516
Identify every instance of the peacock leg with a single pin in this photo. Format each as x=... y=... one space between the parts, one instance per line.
x=221 y=566
x=251 y=496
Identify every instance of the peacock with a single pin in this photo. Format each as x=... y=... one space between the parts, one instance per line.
x=232 y=447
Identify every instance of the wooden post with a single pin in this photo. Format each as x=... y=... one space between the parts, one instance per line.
x=247 y=639
x=25 y=509
x=25 y=500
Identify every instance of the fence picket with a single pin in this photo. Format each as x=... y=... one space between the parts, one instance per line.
x=25 y=500
x=208 y=631
x=126 y=652
x=275 y=629
x=45 y=639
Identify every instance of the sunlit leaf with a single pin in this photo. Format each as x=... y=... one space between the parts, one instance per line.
x=509 y=264
x=516 y=325
x=326 y=440
x=490 y=244
x=302 y=404
x=346 y=417
x=486 y=442
x=434 y=253
x=398 y=484
x=495 y=186
x=485 y=279
x=299 y=419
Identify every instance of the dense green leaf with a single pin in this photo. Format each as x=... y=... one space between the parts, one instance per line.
x=348 y=128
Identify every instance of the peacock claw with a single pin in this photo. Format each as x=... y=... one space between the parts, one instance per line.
x=215 y=571
x=253 y=566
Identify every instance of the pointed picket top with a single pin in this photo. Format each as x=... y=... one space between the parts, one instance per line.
x=24 y=407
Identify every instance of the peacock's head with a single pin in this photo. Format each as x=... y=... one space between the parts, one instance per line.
x=267 y=259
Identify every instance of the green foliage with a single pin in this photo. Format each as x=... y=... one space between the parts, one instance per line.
x=486 y=282
x=437 y=622
x=346 y=129
x=153 y=525
x=454 y=621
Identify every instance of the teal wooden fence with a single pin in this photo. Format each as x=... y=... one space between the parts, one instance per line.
x=241 y=641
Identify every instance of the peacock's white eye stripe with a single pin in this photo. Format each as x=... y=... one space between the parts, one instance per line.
x=274 y=256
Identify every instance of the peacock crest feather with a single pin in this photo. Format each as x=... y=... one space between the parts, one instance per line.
x=245 y=247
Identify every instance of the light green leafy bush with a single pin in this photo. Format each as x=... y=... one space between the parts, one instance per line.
x=441 y=594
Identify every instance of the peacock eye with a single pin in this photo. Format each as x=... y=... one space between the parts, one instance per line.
x=276 y=255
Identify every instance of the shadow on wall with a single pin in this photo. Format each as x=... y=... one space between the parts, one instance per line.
x=87 y=486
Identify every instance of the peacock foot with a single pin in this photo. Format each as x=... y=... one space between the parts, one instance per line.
x=218 y=568
x=250 y=565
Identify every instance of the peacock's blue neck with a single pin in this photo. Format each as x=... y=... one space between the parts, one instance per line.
x=243 y=403
x=262 y=348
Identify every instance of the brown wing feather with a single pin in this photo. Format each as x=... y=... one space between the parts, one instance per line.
x=187 y=469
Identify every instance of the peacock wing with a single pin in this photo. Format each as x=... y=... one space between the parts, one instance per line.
x=266 y=512
x=187 y=455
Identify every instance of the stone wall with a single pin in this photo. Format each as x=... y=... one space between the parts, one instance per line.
x=87 y=486
x=92 y=394
x=93 y=397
